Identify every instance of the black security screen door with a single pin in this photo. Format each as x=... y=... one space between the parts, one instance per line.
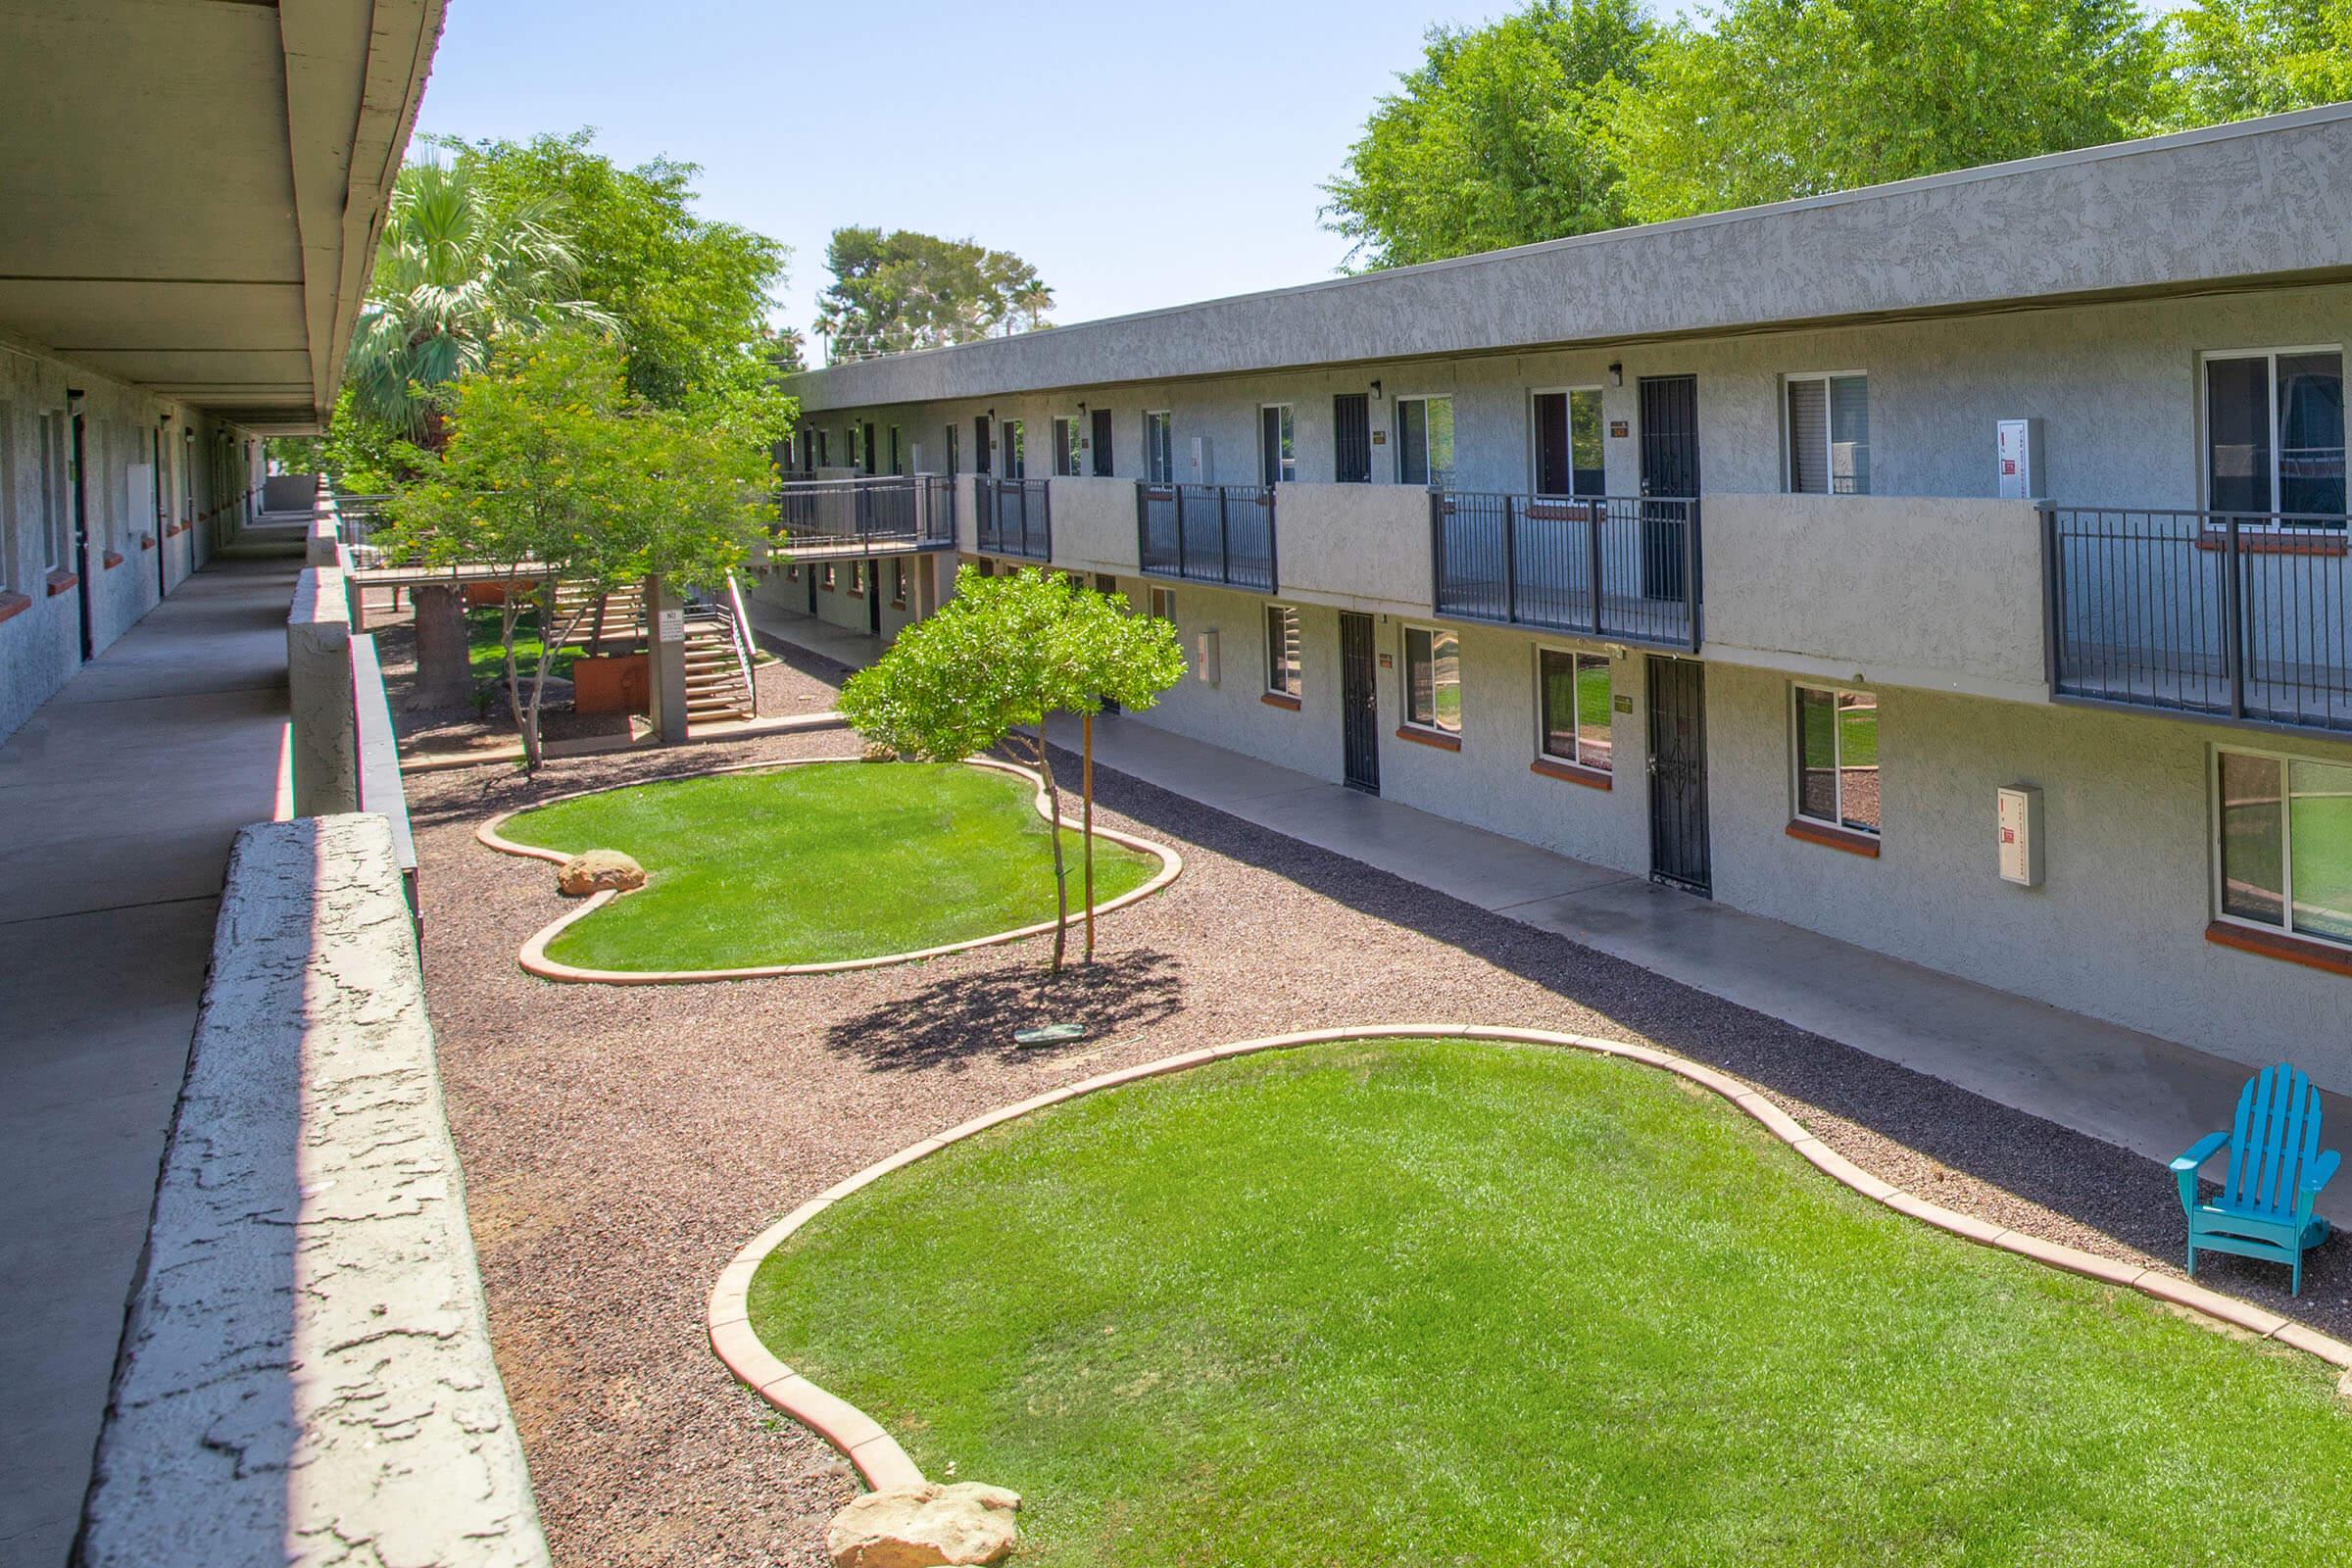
x=1678 y=775
x=1553 y=476
x=1351 y=438
x=980 y=443
x=1102 y=442
x=1669 y=469
x=1359 y=703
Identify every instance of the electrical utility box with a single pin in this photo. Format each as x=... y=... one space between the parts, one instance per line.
x=1205 y=663
x=2018 y=813
x=2019 y=443
x=1205 y=462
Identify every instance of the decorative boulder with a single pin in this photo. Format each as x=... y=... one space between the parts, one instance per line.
x=597 y=870
x=876 y=752
x=924 y=1526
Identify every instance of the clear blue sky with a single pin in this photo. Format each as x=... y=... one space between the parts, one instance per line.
x=1137 y=156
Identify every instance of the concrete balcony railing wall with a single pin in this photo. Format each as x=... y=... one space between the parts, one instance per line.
x=1094 y=525
x=1938 y=592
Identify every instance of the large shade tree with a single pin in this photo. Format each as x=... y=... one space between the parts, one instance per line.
x=456 y=271
x=553 y=471
x=2236 y=58
x=999 y=658
x=900 y=289
x=1495 y=139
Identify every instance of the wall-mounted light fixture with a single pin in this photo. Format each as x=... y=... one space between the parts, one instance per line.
x=1376 y=391
x=1616 y=374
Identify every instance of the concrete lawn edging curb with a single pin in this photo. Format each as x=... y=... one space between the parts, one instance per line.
x=884 y=1464
x=534 y=959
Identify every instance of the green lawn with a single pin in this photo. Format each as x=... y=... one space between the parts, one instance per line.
x=816 y=863
x=487 y=654
x=1443 y=1302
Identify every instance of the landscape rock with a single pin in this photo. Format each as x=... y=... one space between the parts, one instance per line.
x=597 y=870
x=876 y=752
x=926 y=1526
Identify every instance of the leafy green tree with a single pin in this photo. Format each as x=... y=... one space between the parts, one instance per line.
x=455 y=270
x=907 y=290
x=359 y=455
x=688 y=295
x=1495 y=139
x=2238 y=59
x=1788 y=98
x=555 y=471
x=1001 y=655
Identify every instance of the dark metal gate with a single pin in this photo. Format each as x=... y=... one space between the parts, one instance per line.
x=1359 y=703
x=1668 y=471
x=1678 y=775
x=1351 y=438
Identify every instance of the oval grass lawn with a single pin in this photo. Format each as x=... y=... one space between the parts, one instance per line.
x=816 y=863
x=1450 y=1302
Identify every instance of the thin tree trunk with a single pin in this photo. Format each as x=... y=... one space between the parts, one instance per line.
x=1085 y=793
x=1061 y=873
x=551 y=638
x=444 y=674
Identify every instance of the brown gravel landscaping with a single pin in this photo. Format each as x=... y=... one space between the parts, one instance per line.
x=622 y=1144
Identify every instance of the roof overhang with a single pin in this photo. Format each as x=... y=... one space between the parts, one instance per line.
x=2264 y=202
x=195 y=187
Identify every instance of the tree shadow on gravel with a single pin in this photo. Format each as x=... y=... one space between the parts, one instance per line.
x=2108 y=1189
x=958 y=1017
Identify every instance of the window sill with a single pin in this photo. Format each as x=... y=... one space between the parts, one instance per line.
x=1282 y=699
x=1429 y=737
x=13 y=605
x=1588 y=778
x=1865 y=844
x=146 y=541
x=110 y=561
x=898 y=604
x=175 y=530
x=60 y=580
x=2265 y=542
x=2279 y=944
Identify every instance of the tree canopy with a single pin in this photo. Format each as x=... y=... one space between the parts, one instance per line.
x=907 y=290
x=553 y=470
x=1571 y=116
x=1001 y=655
x=1495 y=139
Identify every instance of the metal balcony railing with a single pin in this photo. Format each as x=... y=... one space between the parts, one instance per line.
x=1015 y=517
x=892 y=512
x=1220 y=533
x=2242 y=615
x=1623 y=567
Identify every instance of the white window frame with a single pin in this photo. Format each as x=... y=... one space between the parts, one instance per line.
x=1534 y=444
x=1829 y=431
x=2203 y=395
x=1836 y=821
x=1405 y=663
x=56 y=439
x=1286 y=469
x=1293 y=688
x=1543 y=732
x=1162 y=604
x=1397 y=438
x=1160 y=464
x=11 y=539
x=2286 y=837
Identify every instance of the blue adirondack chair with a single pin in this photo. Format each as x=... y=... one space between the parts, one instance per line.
x=2276 y=1172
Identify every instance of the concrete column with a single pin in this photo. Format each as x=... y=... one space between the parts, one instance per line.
x=325 y=732
x=666 y=659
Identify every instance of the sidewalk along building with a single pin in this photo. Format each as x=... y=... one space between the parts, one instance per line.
x=185 y=229
x=1956 y=568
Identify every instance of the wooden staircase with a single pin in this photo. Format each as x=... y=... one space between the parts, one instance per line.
x=622 y=614
x=717 y=688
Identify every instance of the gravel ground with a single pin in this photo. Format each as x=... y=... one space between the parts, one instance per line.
x=620 y=1144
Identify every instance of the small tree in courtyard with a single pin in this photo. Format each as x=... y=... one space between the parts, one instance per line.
x=554 y=472
x=999 y=657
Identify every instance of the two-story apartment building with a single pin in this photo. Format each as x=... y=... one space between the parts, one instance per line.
x=1956 y=568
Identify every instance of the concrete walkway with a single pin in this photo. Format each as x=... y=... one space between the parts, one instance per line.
x=2150 y=1095
x=118 y=800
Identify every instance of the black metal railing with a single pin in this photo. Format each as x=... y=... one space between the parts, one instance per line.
x=1221 y=534
x=1619 y=567
x=2233 y=614
x=900 y=511
x=1013 y=518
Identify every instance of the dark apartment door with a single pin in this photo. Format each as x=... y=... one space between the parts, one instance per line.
x=953 y=457
x=163 y=574
x=1555 y=474
x=1104 y=583
x=81 y=538
x=1678 y=775
x=1359 y=703
x=980 y=444
x=1351 y=438
x=1669 y=469
x=1102 y=442
x=873 y=597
